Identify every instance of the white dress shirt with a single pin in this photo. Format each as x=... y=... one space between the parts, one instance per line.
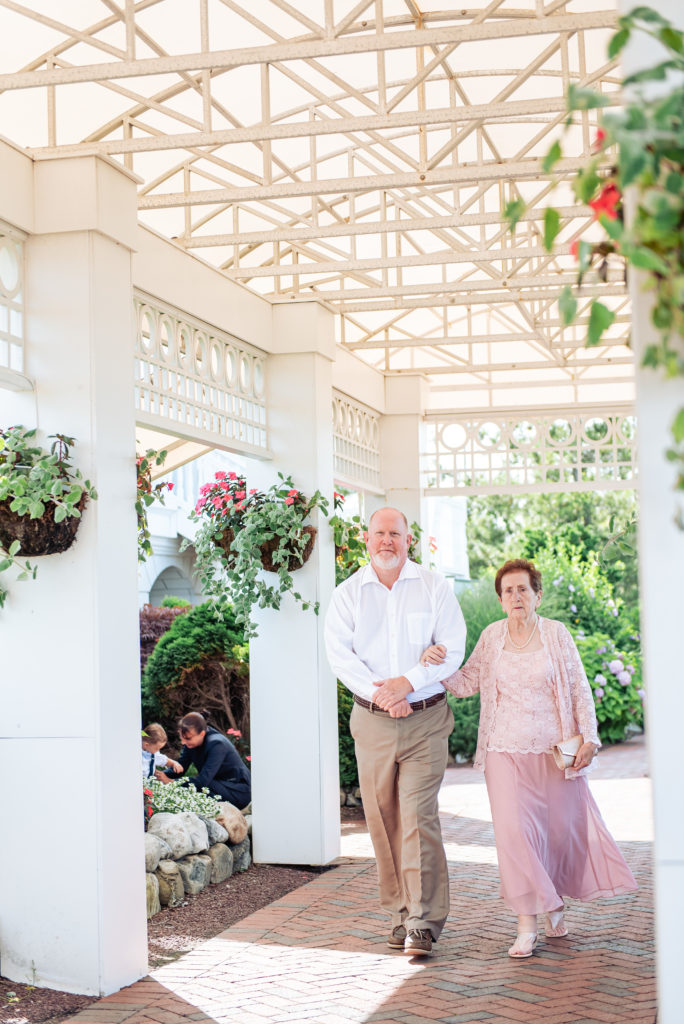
x=373 y=633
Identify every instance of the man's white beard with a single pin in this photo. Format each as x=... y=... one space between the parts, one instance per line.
x=386 y=560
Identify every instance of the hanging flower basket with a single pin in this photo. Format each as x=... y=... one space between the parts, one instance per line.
x=41 y=536
x=295 y=560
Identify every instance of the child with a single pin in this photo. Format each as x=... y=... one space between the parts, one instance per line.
x=152 y=742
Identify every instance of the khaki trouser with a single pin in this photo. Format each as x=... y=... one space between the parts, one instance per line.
x=401 y=766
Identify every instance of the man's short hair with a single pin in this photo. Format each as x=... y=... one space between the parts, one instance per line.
x=389 y=508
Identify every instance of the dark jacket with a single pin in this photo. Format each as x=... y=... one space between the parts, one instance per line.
x=216 y=758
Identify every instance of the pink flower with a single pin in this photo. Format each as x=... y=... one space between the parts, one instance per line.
x=293 y=493
x=239 y=508
x=204 y=488
x=217 y=502
x=574 y=249
x=253 y=491
x=220 y=476
x=249 y=757
x=200 y=505
x=289 y=501
x=232 y=476
x=239 y=495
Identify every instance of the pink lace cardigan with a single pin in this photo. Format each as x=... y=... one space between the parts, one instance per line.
x=574 y=698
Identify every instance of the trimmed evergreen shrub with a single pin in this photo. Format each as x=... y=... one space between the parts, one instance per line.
x=201 y=663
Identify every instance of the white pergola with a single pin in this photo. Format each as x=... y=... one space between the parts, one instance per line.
x=219 y=221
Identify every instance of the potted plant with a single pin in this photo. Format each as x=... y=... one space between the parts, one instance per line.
x=41 y=498
x=639 y=148
x=243 y=532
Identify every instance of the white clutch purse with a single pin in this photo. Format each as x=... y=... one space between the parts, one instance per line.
x=564 y=752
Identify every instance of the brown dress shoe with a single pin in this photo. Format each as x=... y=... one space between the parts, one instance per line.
x=395 y=940
x=418 y=942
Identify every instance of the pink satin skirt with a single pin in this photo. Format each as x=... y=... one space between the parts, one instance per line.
x=551 y=840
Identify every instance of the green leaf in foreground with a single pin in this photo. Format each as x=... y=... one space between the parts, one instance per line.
x=514 y=211
x=567 y=304
x=551 y=227
x=678 y=427
x=600 y=320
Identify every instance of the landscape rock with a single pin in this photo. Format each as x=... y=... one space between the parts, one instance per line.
x=195 y=872
x=343 y=797
x=155 y=849
x=197 y=831
x=152 y=895
x=248 y=819
x=242 y=856
x=171 y=888
x=171 y=828
x=351 y=801
x=233 y=821
x=215 y=831
x=221 y=862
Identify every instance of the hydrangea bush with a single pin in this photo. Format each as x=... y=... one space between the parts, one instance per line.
x=615 y=678
x=177 y=796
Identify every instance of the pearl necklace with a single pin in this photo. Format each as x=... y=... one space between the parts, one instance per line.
x=521 y=647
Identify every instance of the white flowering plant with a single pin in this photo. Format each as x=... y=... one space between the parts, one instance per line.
x=615 y=678
x=177 y=796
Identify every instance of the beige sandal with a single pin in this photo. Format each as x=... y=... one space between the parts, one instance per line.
x=523 y=945
x=555 y=924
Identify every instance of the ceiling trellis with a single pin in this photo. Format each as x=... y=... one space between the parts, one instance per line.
x=356 y=153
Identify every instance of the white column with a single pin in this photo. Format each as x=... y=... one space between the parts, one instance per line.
x=72 y=882
x=401 y=431
x=661 y=554
x=295 y=761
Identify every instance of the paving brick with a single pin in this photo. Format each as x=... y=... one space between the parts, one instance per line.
x=318 y=956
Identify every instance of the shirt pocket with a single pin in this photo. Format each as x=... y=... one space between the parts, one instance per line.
x=418 y=629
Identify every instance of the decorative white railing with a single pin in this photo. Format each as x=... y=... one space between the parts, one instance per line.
x=509 y=451
x=11 y=306
x=356 y=444
x=196 y=381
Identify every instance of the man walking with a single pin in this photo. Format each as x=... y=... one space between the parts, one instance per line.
x=379 y=622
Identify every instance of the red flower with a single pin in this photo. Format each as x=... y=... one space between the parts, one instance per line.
x=574 y=248
x=597 y=144
x=606 y=202
x=248 y=757
x=170 y=486
x=340 y=497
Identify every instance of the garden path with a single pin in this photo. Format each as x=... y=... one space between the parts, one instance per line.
x=318 y=955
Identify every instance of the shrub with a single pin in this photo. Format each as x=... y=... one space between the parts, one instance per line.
x=154 y=622
x=200 y=662
x=349 y=773
x=615 y=678
x=175 y=602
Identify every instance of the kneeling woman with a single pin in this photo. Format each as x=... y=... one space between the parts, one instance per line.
x=551 y=841
x=219 y=766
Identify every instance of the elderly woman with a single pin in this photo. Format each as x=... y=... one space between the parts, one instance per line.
x=550 y=838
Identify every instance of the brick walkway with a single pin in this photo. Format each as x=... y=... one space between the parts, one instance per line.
x=318 y=955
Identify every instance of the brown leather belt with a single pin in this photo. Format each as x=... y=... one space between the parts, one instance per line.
x=418 y=705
